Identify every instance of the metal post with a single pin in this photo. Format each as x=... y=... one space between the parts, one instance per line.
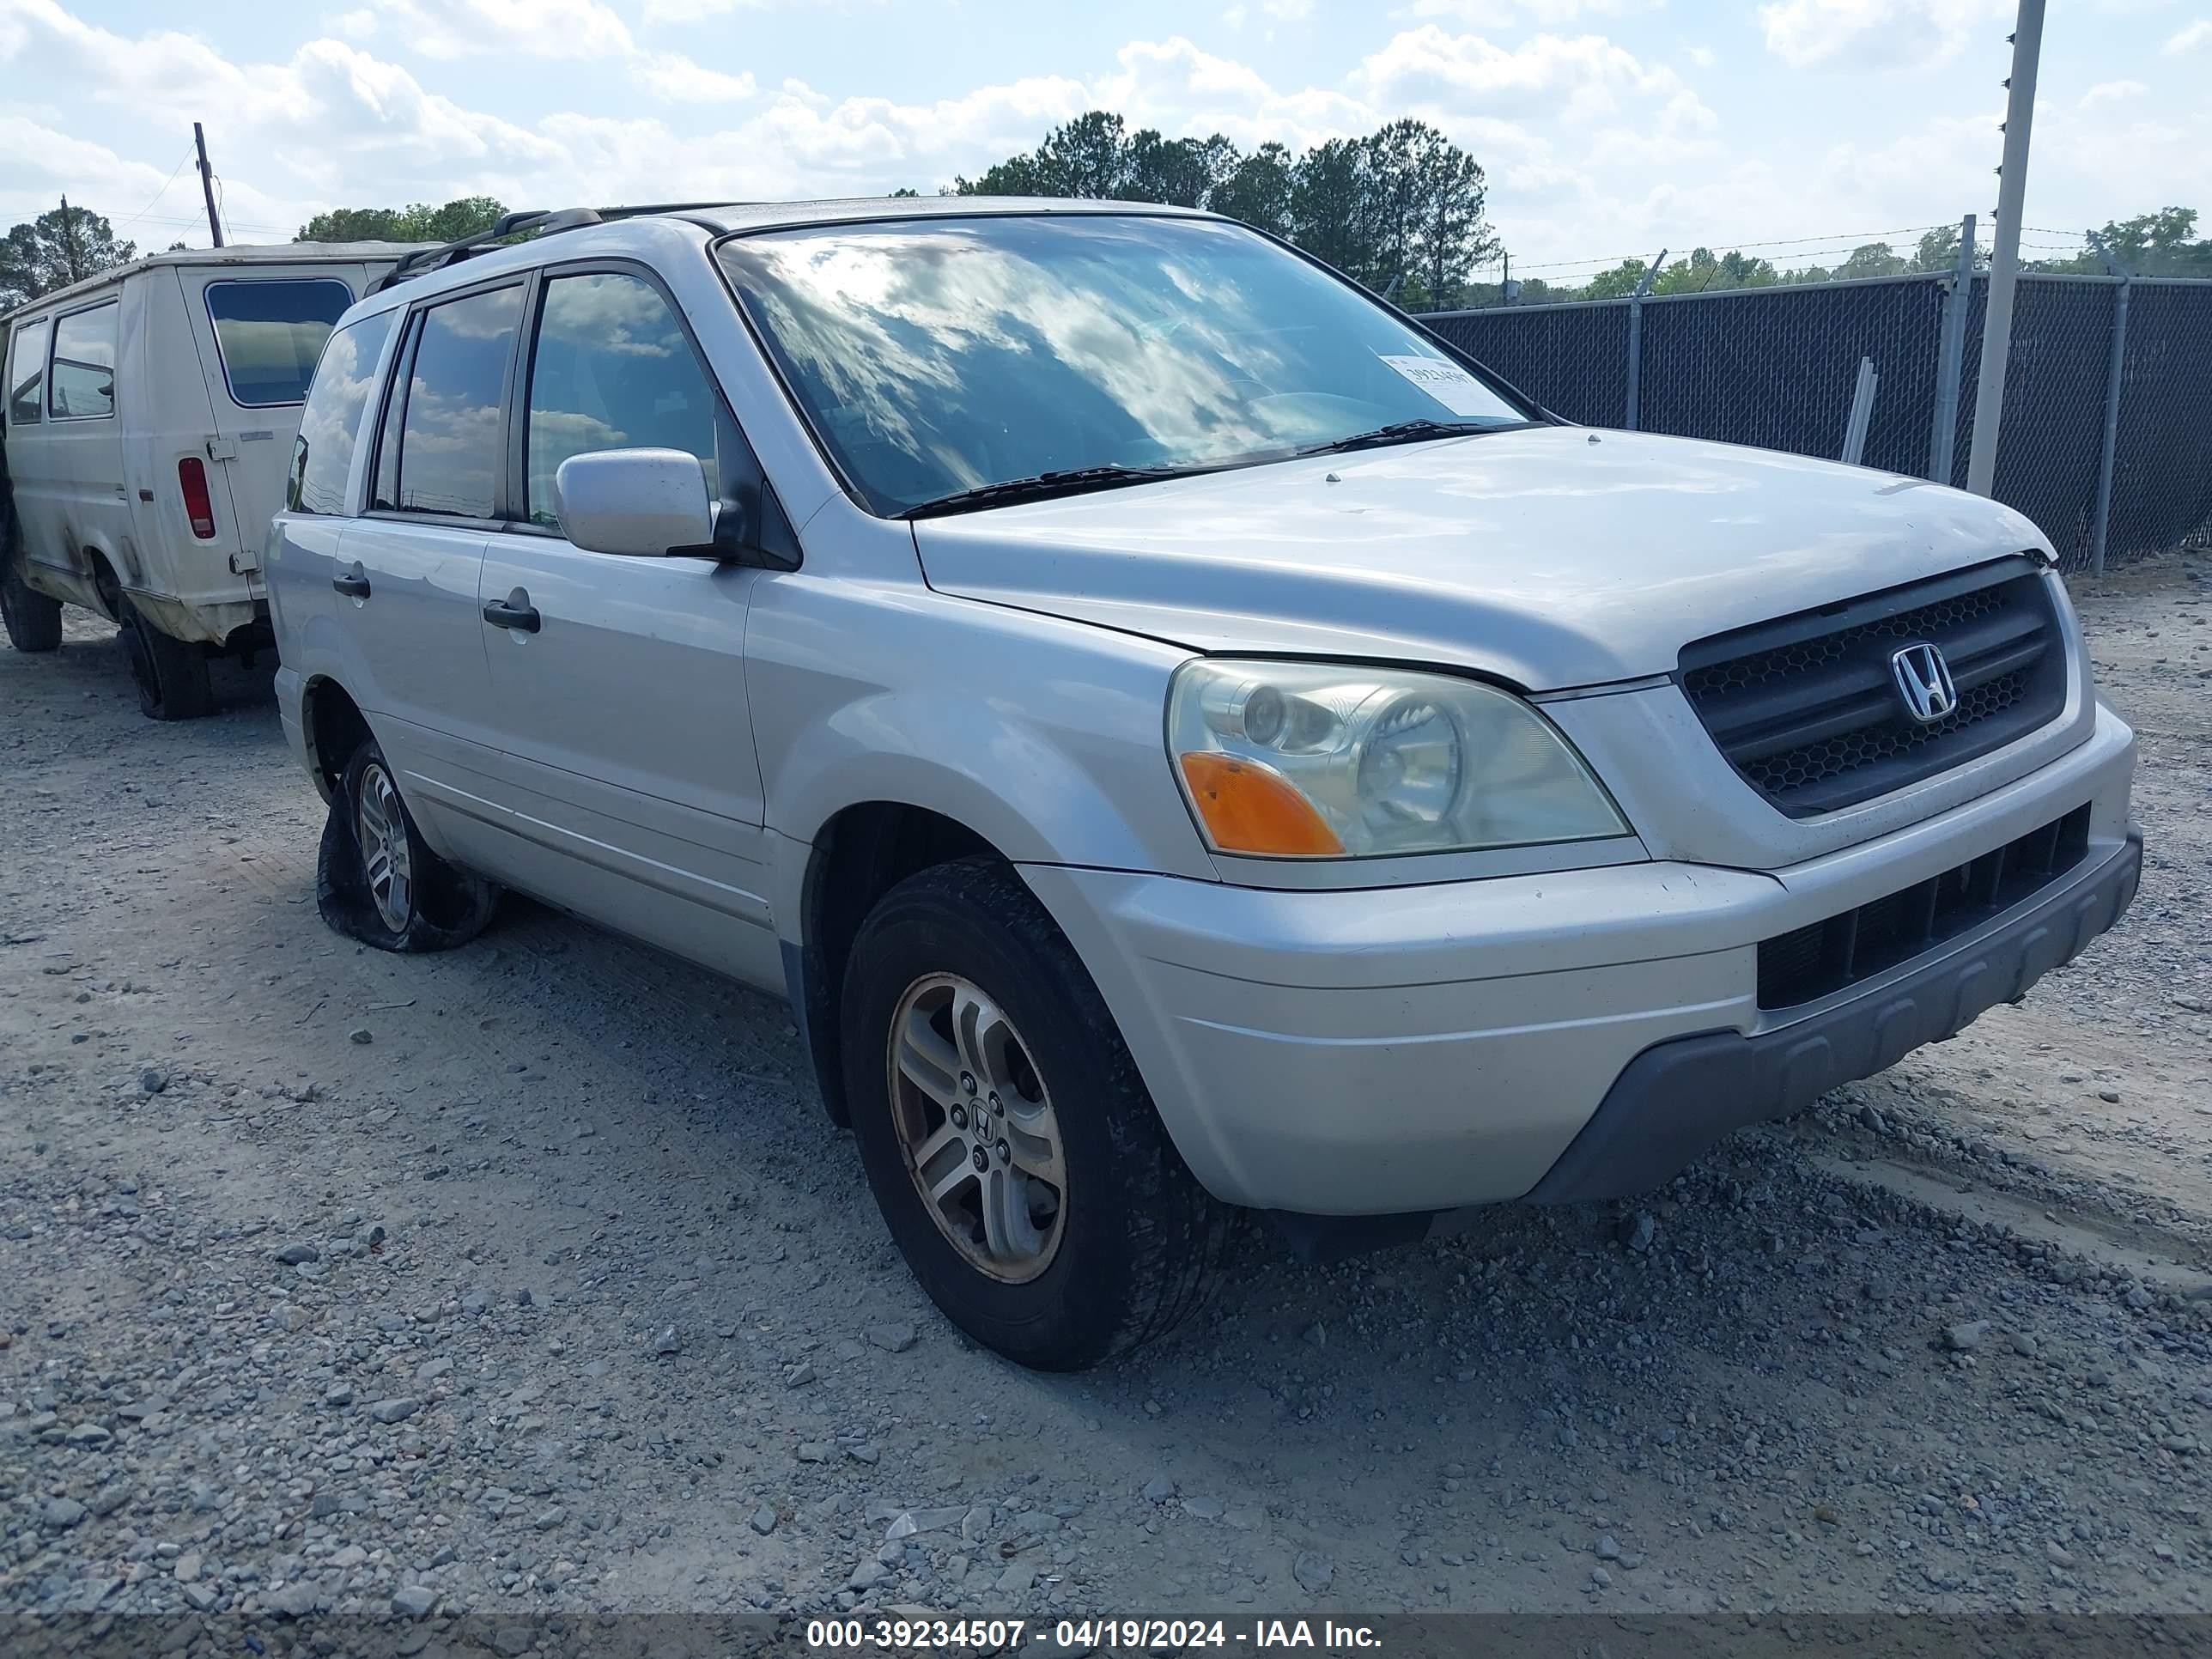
x=1635 y=340
x=2004 y=256
x=207 y=184
x=1862 y=414
x=1950 y=358
x=2113 y=373
x=69 y=240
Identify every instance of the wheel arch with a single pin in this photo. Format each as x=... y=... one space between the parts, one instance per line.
x=331 y=727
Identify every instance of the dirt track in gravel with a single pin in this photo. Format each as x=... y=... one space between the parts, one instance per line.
x=1782 y=1399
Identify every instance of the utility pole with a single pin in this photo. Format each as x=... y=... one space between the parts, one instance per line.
x=2005 y=257
x=69 y=240
x=207 y=184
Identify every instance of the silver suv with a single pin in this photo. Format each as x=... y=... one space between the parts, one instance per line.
x=1184 y=738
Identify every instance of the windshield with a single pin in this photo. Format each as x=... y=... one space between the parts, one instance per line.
x=939 y=356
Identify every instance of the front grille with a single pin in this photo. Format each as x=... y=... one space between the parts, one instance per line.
x=1807 y=712
x=1818 y=960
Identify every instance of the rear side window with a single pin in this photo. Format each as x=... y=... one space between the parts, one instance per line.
x=453 y=440
x=330 y=426
x=270 y=334
x=26 y=371
x=613 y=370
x=84 y=388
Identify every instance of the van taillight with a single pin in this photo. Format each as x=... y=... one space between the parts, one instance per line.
x=199 y=507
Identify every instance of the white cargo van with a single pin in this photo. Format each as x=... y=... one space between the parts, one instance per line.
x=149 y=414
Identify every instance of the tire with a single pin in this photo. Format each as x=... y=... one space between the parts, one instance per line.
x=172 y=676
x=1123 y=1249
x=443 y=906
x=33 y=620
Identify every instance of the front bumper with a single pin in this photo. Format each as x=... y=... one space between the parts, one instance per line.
x=1402 y=1051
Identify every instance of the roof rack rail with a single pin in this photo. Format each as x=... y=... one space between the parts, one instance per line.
x=545 y=223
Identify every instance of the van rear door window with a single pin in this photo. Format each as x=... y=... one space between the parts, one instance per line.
x=270 y=333
x=27 y=372
x=84 y=388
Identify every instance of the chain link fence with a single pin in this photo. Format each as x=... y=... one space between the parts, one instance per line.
x=2105 y=477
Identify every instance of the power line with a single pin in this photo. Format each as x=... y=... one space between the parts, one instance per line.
x=158 y=195
x=1845 y=240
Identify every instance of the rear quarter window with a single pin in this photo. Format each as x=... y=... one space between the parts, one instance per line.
x=270 y=333
x=330 y=426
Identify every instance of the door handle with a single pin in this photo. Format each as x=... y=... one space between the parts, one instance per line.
x=353 y=583
x=515 y=611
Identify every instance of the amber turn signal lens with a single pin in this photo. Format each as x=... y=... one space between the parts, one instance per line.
x=1251 y=808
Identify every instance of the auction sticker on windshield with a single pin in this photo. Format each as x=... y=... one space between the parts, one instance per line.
x=1448 y=383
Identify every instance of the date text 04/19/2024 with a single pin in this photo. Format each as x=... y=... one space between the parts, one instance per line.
x=1087 y=1635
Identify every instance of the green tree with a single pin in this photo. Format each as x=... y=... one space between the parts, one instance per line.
x=421 y=222
x=55 y=249
x=1257 y=189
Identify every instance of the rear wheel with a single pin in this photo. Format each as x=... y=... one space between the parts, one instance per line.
x=172 y=676
x=377 y=879
x=33 y=620
x=1007 y=1136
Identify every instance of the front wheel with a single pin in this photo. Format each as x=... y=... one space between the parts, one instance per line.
x=377 y=879
x=33 y=619
x=1010 y=1141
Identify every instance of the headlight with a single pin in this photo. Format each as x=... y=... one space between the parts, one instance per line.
x=1323 y=760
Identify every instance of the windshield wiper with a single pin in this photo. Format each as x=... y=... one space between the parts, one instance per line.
x=1398 y=432
x=1044 y=486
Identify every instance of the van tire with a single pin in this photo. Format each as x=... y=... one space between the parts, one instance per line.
x=447 y=906
x=1139 y=1238
x=172 y=676
x=33 y=620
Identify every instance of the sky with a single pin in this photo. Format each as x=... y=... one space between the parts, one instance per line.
x=1608 y=128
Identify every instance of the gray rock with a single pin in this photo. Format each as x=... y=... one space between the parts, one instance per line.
x=763 y=1520
x=1966 y=1337
x=200 y=1597
x=1313 y=1571
x=431 y=1369
x=338 y=1393
x=110 y=1498
x=413 y=1600
x=798 y=1376
x=153 y=1080
x=299 y=1250
x=1637 y=1231
x=1205 y=1509
x=1159 y=1489
x=1600 y=1579
x=1608 y=1549
x=666 y=1342
x=361 y=1034
x=512 y=1641
x=2059 y=1554
x=295 y=1600
x=61 y=1513
x=1016 y=1578
x=892 y=1338
x=546 y=1520
x=394 y=1411
x=88 y=1437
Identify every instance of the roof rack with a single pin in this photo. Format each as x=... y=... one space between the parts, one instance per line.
x=545 y=223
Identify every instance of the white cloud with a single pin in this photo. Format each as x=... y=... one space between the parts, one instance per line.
x=1702 y=56
x=1426 y=69
x=1549 y=14
x=528 y=29
x=693 y=11
x=2190 y=37
x=1876 y=33
x=680 y=79
x=2112 y=91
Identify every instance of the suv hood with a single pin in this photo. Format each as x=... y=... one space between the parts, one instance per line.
x=1550 y=556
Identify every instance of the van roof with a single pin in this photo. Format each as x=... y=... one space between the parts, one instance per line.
x=273 y=254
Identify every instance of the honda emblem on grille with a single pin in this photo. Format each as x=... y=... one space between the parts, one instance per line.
x=1924 y=680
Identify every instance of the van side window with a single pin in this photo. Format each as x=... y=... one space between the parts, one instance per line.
x=330 y=426
x=268 y=335
x=83 y=385
x=453 y=437
x=27 y=372
x=613 y=369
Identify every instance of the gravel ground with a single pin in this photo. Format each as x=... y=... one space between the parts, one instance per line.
x=532 y=1277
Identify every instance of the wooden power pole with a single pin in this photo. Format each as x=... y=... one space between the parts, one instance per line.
x=207 y=184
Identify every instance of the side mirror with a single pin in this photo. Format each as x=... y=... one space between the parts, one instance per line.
x=646 y=502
